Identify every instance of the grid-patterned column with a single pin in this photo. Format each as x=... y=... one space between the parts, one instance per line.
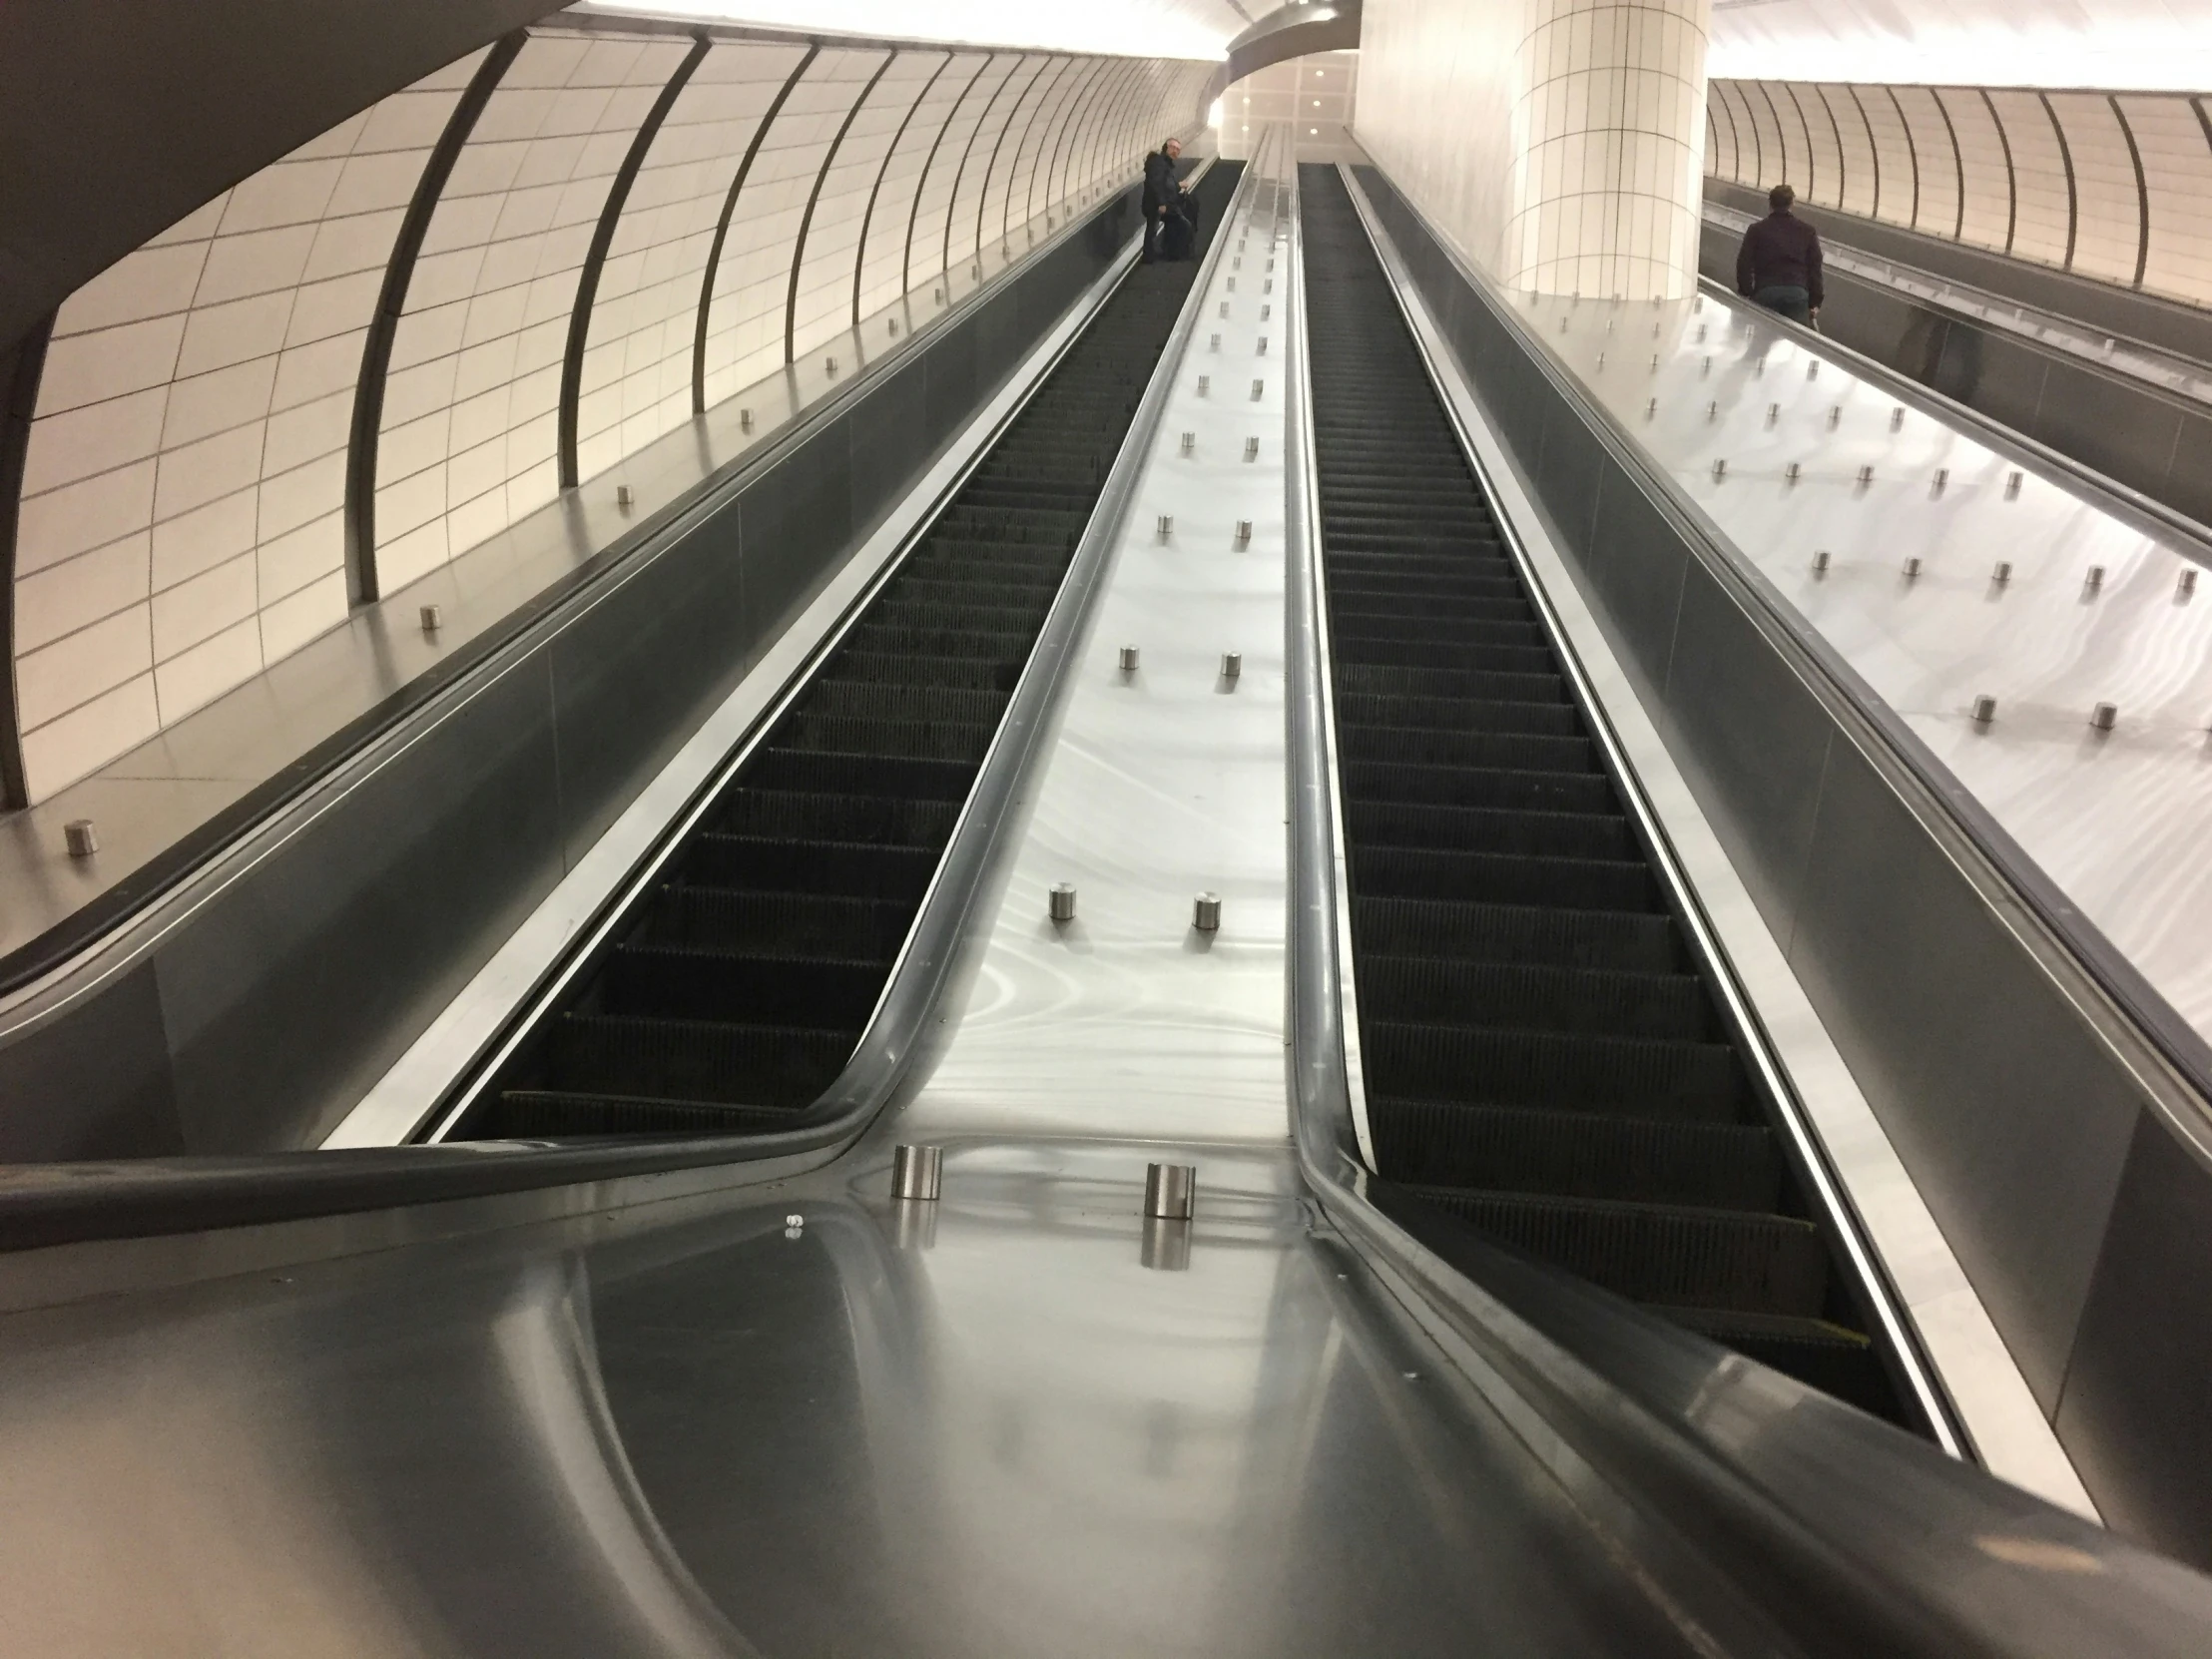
x=1607 y=156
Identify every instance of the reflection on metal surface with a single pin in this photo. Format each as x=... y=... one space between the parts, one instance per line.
x=2115 y=821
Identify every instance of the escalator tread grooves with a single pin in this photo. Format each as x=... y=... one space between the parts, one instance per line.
x=735 y=992
x=1541 y=1054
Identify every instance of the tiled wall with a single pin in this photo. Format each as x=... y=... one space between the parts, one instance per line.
x=2111 y=186
x=182 y=519
x=179 y=525
x=1318 y=92
x=1559 y=142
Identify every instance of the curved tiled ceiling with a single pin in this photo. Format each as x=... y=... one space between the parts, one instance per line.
x=1137 y=28
x=2109 y=44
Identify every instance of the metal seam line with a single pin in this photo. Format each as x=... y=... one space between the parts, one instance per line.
x=2065 y=160
x=1781 y=135
x=1102 y=122
x=1873 y=150
x=26 y=366
x=1958 y=162
x=1071 y=130
x=921 y=185
x=595 y=259
x=1758 y=150
x=1053 y=89
x=1842 y=157
x=1735 y=144
x=1811 y=152
x=959 y=177
x=2143 y=188
x=1085 y=101
x=1057 y=66
x=1105 y=157
x=990 y=169
x=2012 y=178
x=1912 y=154
x=2204 y=122
x=722 y=227
x=813 y=198
x=1059 y=100
x=867 y=219
x=360 y=514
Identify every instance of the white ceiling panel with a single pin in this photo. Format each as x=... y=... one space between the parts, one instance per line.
x=1135 y=28
x=2115 y=44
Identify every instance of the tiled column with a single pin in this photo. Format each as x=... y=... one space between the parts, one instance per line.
x=1559 y=142
x=1608 y=148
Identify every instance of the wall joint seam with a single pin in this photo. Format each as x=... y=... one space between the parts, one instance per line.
x=2142 y=189
x=1958 y=162
x=814 y=200
x=360 y=514
x=2012 y=175
x=921 y=182
x=595 y=259
x=722 y=225
x=868 y=219
x=2073 y=189
x=25 y=367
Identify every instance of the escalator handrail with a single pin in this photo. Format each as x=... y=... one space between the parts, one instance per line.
x=56 y=1204
x=1768 y=1516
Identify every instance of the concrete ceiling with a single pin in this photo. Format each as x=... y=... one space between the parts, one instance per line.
x=2106 y=44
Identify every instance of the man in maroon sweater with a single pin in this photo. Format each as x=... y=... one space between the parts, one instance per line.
x=1779 y=265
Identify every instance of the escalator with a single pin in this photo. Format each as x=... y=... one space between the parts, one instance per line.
x=735 y=994
x=1543 y=1052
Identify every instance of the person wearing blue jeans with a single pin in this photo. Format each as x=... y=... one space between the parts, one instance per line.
x=1779 y=265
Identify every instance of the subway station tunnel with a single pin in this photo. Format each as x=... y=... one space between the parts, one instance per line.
x=966 y=830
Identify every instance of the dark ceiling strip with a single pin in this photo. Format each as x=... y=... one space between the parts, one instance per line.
x=1082 y=77
x=722 y=227
x=868 y=219
x=813 y=199
x=1912 y=153
x=990 y=170
x=2142 y=187
x=2073 y=189
x=2011 y=179
x=20 y=372
x=1842 y=157
x=1958 y=163
x=921 y=184
x=1063 y=146
x=595 y=259
x=392 y=302
x=952 y=202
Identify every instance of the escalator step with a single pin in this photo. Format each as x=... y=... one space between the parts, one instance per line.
x=810 y=815
x=1502 y=878
x=1715 y=1166
x=1446 y=991
x=853 y=868
x=1491 y=830
x=1610 y=939
x=530 y=1114
x=1500 y=1066
x=780 y=924
x=695 y=1060
x=660 y=981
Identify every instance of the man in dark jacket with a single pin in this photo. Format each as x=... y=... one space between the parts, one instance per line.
x=1779 y=265
x=1164 y=195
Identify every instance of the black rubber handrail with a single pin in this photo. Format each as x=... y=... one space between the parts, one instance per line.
x=54 y=1204
x=1766 y=1516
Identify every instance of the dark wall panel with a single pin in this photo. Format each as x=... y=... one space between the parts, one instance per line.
x=293 y=990
x=94 y=1085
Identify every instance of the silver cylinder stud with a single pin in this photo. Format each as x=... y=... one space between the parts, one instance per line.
x=80 y=838
x=1244 y=531
x=1651 y=408
x=1232 y=664
x=1225 y=307
x=1790 y=473
x=1896 y=418
x=1213 y=342
x=745 y=421
x=1167 y=1245
x=1259 y=390
x=1169 y=1190
x=1711 y=411
x=2012 y=486
x=1167 y=525
x=1984 y=710
x=2095 y=579
x=2187 y=583
x=1821 y=562
x=1812 y=371
x=1060 y=903
x=432 y=618
x=2104 y=717
x=1774 y=413
x=1866 y=475
x=1205 y=912
x=1189 y=442
x=1251 y=449
x=1263 y=346
x=1720 y=470
x=1835 y=416
x=623 y=498
x=1911 y=568
x=1205 y=384
x=1128 y=658
x=917 y=1172
x=2003 y=572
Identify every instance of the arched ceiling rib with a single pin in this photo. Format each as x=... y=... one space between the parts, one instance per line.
x=1137 y=28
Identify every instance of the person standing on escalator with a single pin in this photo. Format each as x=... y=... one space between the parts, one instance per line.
x=1165 y=198
x=1779 y=265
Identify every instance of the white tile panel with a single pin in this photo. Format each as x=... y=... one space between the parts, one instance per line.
x=882 y=264
x=2108 y=222
x=823 y=292
x=2044 y=210
x=1936 y=158
x=2176 y=147
x=194 y=386
x=1987 y=217
x=1897 y=160
x=931 y=224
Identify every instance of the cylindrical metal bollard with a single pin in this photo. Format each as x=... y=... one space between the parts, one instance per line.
x=1205 y=912
x=1168 y=1190
x=2104 y=717
x=432 y=618
x=1129 y=659
x=624 y=498
x=1232 y=664
x=917 y=1172
x=1244 y=531
x=1062 y=902
x=80 y=838
x=1984 y=710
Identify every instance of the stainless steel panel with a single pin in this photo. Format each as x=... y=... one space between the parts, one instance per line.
x=2135 y=1386
x=1637 y=563
x=94 y=1087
